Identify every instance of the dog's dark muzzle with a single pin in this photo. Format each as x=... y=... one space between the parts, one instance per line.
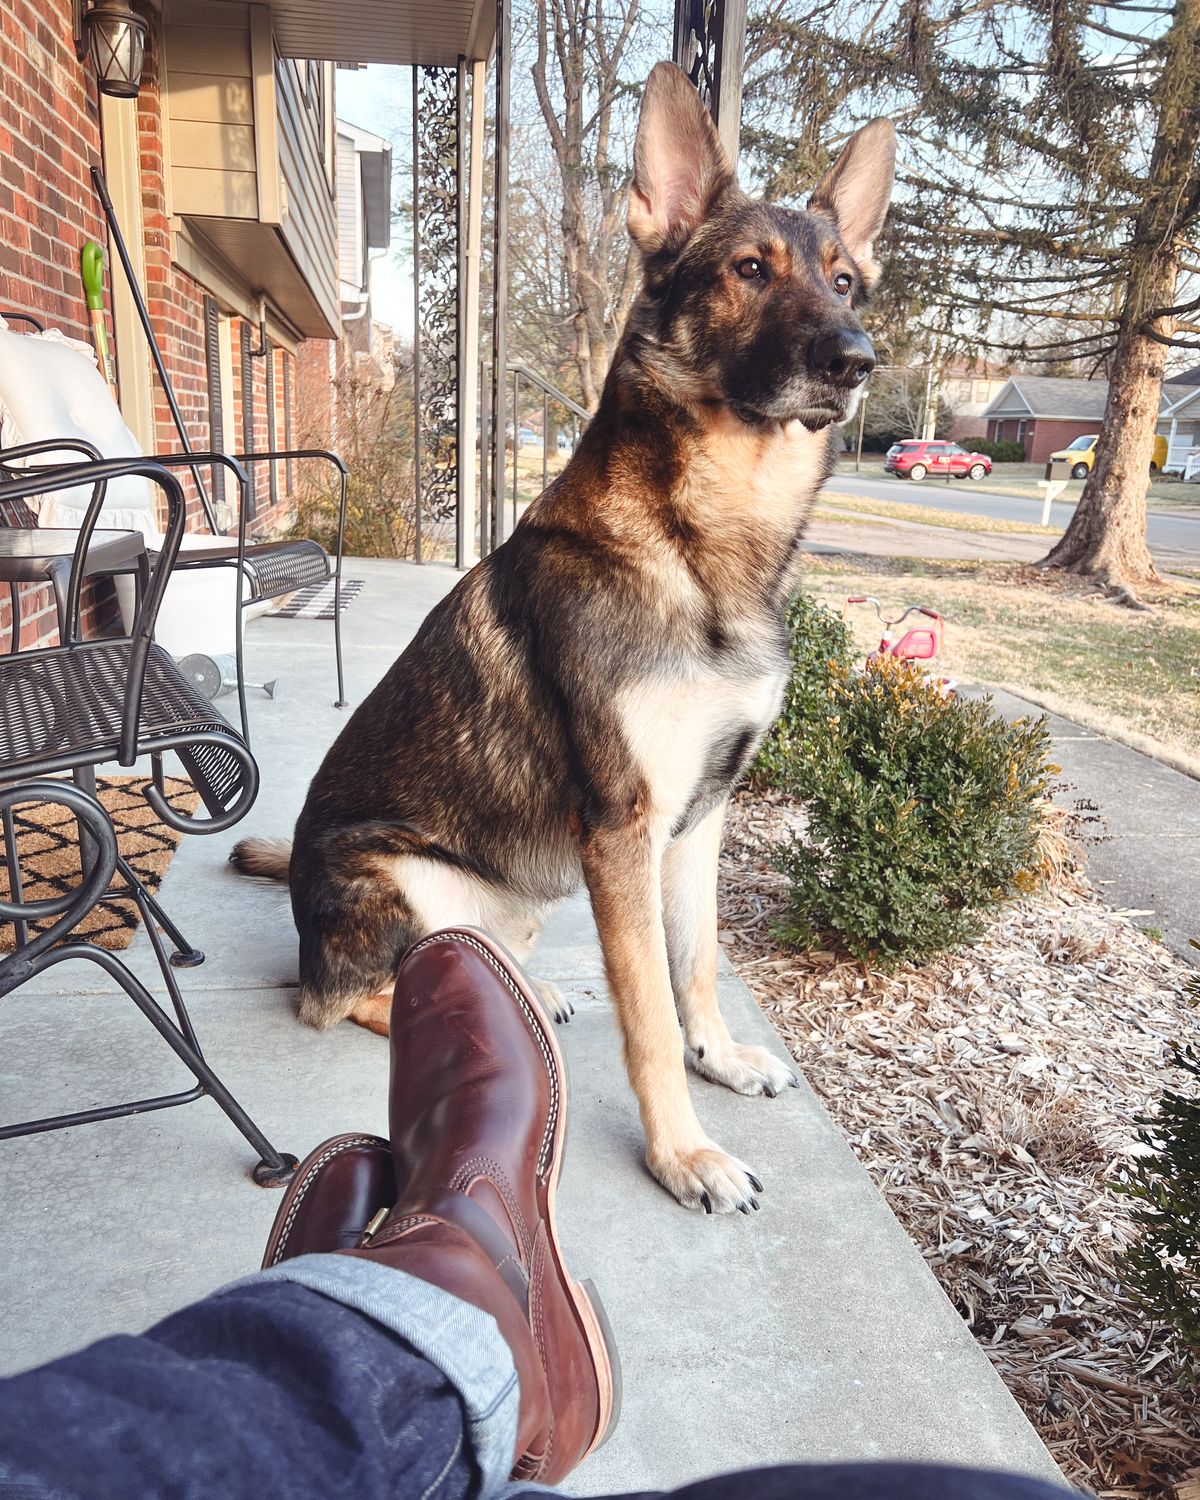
x=841 y=357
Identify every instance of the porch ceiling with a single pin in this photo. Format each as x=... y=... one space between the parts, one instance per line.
x=433 y=32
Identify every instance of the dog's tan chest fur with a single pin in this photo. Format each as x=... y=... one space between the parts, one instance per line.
x=676 y=728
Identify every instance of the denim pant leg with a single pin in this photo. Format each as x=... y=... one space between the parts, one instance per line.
x=862 y=1481
x=308 y=1381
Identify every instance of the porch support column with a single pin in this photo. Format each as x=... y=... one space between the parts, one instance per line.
x=710 y=47
x=470 y=235
x=500 y=271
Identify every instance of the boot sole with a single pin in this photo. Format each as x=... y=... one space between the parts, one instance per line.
x=305 y=1178
x=589 y=1310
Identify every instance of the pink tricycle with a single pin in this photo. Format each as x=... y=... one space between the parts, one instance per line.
x=920 y=642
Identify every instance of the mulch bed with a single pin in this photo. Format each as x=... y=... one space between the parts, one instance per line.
x=48 y=849
x=991 y=1095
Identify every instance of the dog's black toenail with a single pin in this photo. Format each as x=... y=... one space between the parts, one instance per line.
x=793 y=1081
x=706 y=1203
x=768 y=1090
x=754 y=1183
x=754 y=1204
x=742 y=1209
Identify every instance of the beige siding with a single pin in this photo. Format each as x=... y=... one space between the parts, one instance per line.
x=247 y=148
x=210 y=92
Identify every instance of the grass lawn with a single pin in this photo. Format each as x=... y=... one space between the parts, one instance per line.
x=1021 y=479
x=857 y=510
x=1133 y=675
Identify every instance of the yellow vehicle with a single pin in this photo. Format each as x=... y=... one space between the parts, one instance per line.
x=1081 y=454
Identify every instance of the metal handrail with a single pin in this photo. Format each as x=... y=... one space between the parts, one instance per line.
x=519 y=367
x=491 y=530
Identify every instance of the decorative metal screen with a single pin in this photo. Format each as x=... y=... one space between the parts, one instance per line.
x=436 y=212
x=697 y=34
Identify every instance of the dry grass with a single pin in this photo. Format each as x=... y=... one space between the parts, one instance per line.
x=1052 y=639
x=844 y=508
x=992 y=1096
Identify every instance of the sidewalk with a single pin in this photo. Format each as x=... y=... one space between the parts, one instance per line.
x=812 y=1330
x=1144 y=853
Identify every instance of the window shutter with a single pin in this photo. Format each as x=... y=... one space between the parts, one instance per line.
x=272 y=469
x=216 y=414
x=287 y=422
x=248 y=413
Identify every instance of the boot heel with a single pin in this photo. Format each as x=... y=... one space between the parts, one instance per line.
x=605 y=1333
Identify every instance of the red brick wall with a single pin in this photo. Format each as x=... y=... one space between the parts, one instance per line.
x=49 y=137
x=1043 y=436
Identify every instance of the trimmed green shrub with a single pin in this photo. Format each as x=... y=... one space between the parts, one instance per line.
x=1006 y=452
x=820 y=641
x=1162 y=1268
x=923 y=815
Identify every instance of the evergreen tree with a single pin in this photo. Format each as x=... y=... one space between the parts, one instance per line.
x=1049 y=199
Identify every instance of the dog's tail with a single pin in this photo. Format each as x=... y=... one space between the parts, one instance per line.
x=268 y=859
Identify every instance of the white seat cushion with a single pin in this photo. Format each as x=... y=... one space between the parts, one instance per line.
x=50 y=388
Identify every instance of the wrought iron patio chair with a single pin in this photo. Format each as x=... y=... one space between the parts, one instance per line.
x=265 y=570
x=30 y=553
x=85 y=703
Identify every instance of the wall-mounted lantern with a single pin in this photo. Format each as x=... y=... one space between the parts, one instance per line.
x=115 y=35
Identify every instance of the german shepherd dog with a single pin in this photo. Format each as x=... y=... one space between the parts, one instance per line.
x=579 y=707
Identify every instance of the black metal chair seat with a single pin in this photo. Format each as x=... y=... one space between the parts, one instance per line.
x=65 y=707
x=271 y=569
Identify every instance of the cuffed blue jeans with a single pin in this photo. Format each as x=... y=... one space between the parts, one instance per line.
x=326 y=1377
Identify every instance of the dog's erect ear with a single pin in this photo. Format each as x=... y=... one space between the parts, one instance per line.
x=856 y=190
x=679 y=164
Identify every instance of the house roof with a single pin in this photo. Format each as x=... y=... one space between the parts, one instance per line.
x=1189 y=377
x=1066 y=399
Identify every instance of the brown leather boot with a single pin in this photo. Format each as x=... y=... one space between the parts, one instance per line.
x=478 y=1124
x=334 y=1195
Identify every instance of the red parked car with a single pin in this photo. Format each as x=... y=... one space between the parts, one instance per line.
x=916 y=457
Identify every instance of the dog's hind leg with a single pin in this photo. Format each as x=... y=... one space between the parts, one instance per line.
x=689 y=876
x=353 y=934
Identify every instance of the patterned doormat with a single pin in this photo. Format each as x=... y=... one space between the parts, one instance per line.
x=316 y=601
x=48 y=848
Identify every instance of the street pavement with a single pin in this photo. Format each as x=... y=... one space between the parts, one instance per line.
x=1166 y=531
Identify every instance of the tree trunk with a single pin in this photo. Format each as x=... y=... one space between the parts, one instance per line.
x=1107 y=535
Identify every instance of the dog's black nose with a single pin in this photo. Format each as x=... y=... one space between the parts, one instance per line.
x=843 y=357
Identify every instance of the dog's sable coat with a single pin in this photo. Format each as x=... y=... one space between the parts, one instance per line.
x=578 y=708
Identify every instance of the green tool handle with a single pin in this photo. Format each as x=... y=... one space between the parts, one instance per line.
x=91 y=269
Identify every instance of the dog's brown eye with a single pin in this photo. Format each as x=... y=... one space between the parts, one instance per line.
x=842 y=283
x=750 y=269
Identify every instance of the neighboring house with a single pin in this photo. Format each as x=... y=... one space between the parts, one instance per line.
x=364 y=205
x=1045 y=413
x=968 y=390
x=365 y=349
x=1179 y=419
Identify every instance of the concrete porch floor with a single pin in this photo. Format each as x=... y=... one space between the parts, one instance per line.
x=812 y=1330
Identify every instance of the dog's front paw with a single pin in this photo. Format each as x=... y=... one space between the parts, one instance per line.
x=746 y=1070
x=707 y=1178
x=553 y=1000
